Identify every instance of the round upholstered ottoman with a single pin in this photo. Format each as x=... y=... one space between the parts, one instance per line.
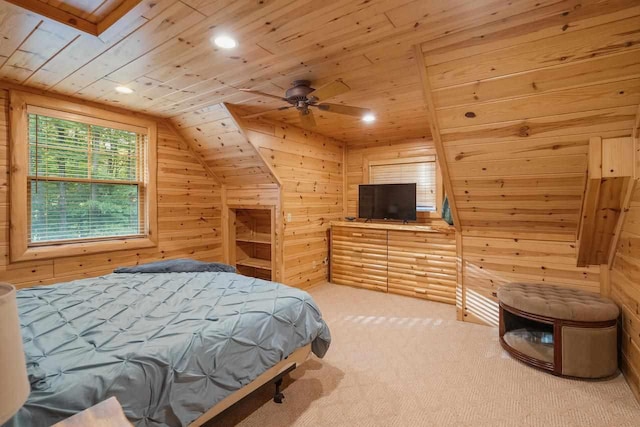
x=564 y=331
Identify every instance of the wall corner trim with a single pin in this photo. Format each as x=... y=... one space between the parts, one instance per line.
x=435 y=134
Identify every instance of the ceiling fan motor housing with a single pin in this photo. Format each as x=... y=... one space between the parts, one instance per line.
x=302 y=97
x=299 y=91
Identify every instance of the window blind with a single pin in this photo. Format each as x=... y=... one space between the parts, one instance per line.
x=423 y=174
x=85 y=181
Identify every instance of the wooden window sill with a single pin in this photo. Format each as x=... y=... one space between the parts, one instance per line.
x=82 y=248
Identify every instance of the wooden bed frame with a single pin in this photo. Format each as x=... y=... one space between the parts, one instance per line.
x=274 y=373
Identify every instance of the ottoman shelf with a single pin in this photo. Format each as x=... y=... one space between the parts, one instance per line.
x=531 y=346
x=570 y=344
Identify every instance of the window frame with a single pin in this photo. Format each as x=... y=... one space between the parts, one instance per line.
x=23 y=103
x=406 y=160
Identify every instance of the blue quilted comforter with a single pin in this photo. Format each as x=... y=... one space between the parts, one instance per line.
x=169 y=346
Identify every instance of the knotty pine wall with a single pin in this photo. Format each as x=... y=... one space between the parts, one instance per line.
x=189 y=204
x=310 y=169
x=490 y=262
x=358 y=153
x=516 y=102
x=624 y=283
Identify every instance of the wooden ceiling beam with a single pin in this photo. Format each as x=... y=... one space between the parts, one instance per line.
x=435 y=134
x=115 y=15
x=59 y=15
x=56 y=14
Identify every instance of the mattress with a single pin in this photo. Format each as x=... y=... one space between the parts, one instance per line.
x=169 y=345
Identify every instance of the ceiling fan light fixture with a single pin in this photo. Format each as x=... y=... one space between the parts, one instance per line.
x=369 y=118
x=225 y=42
x=124 y=90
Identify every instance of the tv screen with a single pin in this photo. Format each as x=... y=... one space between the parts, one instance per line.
x=387 y=201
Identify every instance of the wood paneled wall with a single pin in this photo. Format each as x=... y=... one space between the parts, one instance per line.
x=253 y=195
x=310 y=169
x=516 y=102
x=489 y=262
x=624 y=282
x=358 y=154
x=189 y=204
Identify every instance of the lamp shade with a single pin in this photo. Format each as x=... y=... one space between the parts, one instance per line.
x=14 y=384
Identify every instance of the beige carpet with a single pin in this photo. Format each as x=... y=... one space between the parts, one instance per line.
x=398 y=361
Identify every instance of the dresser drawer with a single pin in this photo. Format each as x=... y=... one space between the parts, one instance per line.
x=423 y=265
x=359 y=235
x=359 y=257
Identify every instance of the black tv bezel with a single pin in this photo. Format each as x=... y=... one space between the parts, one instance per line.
x=415 y=214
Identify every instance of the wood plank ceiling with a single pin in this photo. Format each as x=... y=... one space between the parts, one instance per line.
x=162 y=50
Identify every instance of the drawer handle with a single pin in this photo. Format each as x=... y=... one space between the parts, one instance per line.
x=357 y=234
x=420 y=291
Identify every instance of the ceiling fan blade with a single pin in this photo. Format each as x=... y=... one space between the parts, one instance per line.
x=330 y=90
x=250 y=116
x=344 y=109
x=257 y=92
x=307 y=120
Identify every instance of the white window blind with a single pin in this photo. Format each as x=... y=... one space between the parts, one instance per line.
x=423 y=174
x=85 y=182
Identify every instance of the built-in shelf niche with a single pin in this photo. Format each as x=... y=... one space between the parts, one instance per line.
x=253 y=239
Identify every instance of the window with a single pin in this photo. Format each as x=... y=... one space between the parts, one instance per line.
x=84 y=181
x=422 y=171
x=81 y=183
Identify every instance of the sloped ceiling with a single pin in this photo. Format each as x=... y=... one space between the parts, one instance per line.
x=218 y=140
x=516 y=105
x=162 y=50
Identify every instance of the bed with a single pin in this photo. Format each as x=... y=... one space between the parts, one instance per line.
x=174 y=348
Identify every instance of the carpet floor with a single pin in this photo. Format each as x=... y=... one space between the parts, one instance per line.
x=399 y=361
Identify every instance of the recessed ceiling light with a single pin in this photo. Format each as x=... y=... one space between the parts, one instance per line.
x=124 y=89
x=225 y=42
x=368 y=118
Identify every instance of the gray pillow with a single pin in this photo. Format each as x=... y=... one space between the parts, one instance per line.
x=184 y=265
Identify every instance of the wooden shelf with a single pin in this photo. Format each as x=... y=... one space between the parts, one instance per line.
x=264 y=264
x=254 y=239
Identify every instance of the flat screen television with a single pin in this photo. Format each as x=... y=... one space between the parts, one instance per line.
x=387 y=201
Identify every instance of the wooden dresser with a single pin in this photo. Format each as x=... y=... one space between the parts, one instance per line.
x=413 y=260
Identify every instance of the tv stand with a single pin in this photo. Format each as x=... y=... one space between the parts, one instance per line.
x=407 y=259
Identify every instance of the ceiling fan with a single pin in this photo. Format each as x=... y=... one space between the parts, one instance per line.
x=303 y=97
